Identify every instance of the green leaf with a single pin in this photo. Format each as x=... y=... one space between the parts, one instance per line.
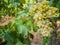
x=22 y=1
x=46 y=40
x=24 y=20
x=18 y=22
x=51 y=2
x=8 y=36
x=6 y=1
x=21 y=14
x=27 y=41
x=9 y=43
x=13 y=34
x=1 y=34
x=22 y=30
x=19 y=43
x=35 y=28
x=29 y=24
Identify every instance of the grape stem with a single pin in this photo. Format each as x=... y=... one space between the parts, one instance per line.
x=51 y=20
x=54 y=36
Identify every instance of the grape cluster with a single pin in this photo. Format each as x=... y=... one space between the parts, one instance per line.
x=45 y=27
x=42 y=11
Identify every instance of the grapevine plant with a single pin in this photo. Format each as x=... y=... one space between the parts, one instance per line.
x=15 y=23
x=42 y=15
x=18 y=22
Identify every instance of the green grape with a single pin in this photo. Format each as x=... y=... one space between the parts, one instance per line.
x=44 y=27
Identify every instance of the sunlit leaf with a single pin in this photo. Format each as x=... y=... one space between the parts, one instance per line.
x=6 y=1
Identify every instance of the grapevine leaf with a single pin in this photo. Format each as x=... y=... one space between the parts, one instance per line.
x=6 y=1
x=19 y=43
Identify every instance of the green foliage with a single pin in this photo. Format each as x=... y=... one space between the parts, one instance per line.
x=10 y=7
x=19 y=43
x=55 y=3
x=46 y=40
x=16 y=32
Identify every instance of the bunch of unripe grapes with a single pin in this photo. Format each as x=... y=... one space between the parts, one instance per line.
x=45 y=27
x=42 y=11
